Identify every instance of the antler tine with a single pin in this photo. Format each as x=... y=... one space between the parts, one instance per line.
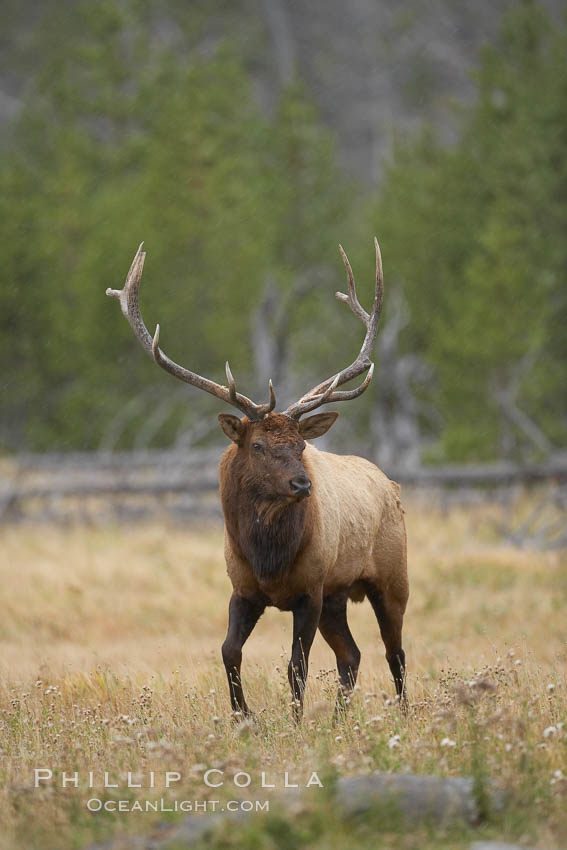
x=379 y=291
x=272 y=401
x=330 y=397
x=128 y=297
x=322 y=393
x=351 y=299
x=231 y=382
x=311 y=402
x=260 y=409
x=346 y=395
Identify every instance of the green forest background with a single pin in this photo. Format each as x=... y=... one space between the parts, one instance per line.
x=241 y=208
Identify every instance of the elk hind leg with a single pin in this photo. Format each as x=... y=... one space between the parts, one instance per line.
x=390 y=615
x=333 y=626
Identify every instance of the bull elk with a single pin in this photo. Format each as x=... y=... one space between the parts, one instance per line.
x=305 y=530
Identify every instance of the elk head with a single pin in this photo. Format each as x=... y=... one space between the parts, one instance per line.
x=271 y=453
x=272 y=442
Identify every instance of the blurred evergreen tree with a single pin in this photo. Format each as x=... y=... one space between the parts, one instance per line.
x=121 y=141
x=475 y=234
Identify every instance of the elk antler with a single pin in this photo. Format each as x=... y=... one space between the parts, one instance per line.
x=326 y=392
x=128 y=297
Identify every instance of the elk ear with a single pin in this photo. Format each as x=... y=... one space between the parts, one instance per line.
x=232 y=426
x=316 y=426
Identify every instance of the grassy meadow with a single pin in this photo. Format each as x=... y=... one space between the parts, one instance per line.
x=110 y=661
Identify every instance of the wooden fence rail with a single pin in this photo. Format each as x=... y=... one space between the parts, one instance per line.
x=131 y=485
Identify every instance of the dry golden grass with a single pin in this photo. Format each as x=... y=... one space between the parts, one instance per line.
x=110 y=661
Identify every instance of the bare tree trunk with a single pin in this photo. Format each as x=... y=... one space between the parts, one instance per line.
x=395 y=428
x=515 y=420
x=279 y=24
x=269 y=337
x=270 y=331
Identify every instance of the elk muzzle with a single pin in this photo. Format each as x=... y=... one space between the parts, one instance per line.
x=300 y=486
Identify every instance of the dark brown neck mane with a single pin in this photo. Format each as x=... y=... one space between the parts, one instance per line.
x=267 y=534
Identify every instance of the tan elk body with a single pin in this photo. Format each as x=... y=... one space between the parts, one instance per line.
x=354 y=534
x=305 y=530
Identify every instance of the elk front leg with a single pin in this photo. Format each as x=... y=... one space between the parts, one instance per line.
x=243 y=614
x=306 y=615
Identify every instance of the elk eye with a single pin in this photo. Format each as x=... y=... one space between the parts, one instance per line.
x=258 y=447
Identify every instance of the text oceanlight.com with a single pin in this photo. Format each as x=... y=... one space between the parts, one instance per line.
x=95 y=804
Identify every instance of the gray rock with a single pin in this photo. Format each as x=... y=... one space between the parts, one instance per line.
x=415 y=797
x=497 y=845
